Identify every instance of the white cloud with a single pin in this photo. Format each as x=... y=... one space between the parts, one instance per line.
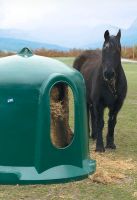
x=32 y=13
x=25 y=14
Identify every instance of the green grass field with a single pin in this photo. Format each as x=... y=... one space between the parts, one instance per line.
x=126 y=140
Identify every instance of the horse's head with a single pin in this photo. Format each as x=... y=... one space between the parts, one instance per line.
x=111 y=55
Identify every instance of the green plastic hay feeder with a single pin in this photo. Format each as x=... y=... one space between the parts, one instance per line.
x=27 y=155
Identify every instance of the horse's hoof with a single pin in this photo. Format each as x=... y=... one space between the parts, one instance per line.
x=110 y=146
x=100 y=149
x=94 y=137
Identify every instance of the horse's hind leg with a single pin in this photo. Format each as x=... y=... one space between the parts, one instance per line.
x=93 y=124
x=111 y=126
x=99 y=118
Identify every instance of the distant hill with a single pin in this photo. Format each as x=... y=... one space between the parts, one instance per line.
x=10 y=44
x=129 y=36
x=97 y=35
x=84 y=37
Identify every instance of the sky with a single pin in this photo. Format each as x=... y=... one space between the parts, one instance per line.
x=58 y=21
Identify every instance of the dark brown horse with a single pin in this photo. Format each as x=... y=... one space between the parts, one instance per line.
x=106 y=86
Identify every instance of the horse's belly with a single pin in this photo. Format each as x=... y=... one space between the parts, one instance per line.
x=109 y=101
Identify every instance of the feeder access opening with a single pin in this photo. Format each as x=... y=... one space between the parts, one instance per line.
x=62 y=115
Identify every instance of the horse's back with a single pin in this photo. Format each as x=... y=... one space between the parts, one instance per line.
x=89 y=56
x=89 y=64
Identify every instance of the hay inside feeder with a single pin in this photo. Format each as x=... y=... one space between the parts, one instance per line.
x=61 y=133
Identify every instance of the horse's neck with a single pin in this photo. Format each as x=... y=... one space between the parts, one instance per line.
x=119 y=71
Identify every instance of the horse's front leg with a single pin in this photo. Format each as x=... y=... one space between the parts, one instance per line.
x=111 y=126
x=99 y=117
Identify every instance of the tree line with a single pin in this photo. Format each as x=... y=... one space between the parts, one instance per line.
x=127 y=52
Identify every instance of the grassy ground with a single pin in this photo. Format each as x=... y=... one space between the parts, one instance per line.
x=115 y=161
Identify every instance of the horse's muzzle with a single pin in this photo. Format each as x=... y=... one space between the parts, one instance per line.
x=109 y=75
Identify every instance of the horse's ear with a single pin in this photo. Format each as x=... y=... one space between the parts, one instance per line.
x=119 y=34
x=106 y=35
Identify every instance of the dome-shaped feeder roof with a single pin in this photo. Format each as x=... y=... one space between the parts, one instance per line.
x=26 y=68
